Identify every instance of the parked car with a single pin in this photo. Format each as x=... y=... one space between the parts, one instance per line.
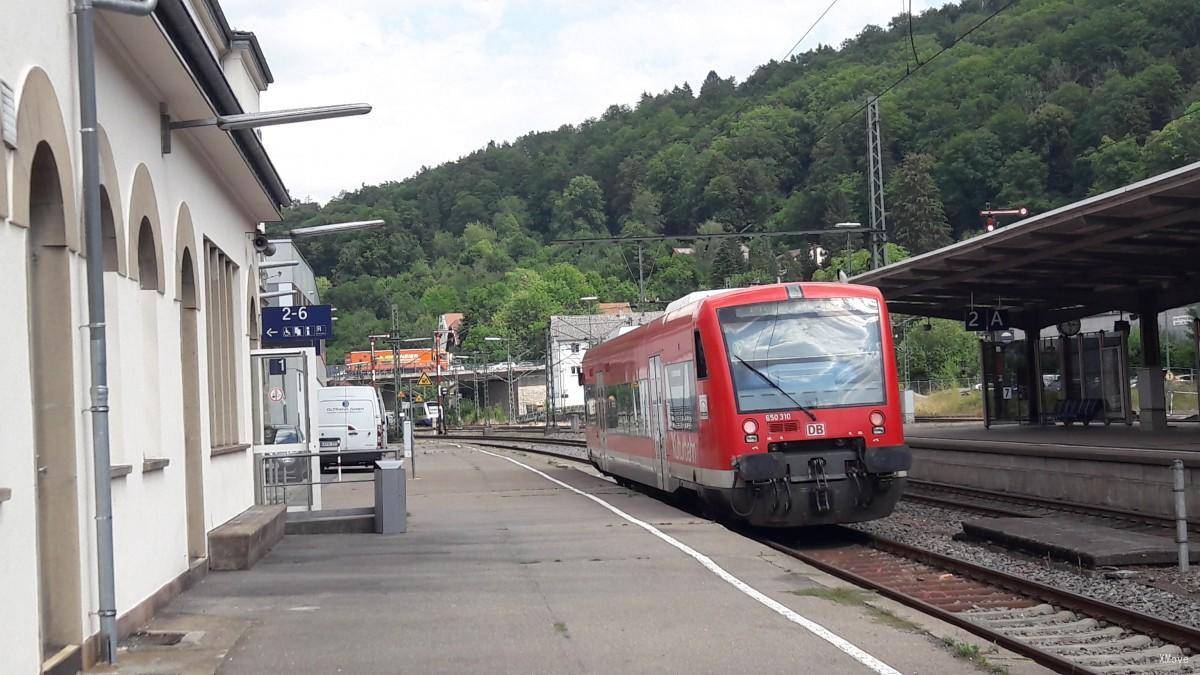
x=350 y=420
x=293 y=468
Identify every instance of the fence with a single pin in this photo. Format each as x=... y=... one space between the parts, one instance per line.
x=299 y=481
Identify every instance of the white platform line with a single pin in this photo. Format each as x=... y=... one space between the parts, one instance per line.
x=779 y=608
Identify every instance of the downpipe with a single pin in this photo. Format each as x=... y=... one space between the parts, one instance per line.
x=98 y=342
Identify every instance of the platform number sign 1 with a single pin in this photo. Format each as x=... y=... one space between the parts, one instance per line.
x=986 y=319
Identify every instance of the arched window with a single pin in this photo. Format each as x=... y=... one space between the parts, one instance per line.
x=108 y=229
x=147 y=258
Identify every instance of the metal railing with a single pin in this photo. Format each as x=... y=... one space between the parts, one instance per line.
x=288 y=478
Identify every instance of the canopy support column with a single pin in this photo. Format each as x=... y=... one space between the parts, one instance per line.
x=1033 y=367
x=1152 y=397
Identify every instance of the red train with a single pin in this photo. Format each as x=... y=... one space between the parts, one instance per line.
x=777 y=404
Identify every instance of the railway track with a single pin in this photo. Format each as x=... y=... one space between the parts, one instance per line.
x=1063 y=631
x=1060 y=630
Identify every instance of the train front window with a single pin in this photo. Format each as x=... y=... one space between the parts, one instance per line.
x=818 y=352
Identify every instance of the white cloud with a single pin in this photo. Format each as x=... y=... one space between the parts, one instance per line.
x=445 y=77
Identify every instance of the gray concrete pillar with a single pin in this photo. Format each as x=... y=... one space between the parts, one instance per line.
x=1152 y=394
x=1033 y=369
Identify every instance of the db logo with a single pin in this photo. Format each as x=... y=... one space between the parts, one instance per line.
x=815 y=430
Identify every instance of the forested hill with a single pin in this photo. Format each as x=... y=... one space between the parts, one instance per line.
x=1047 y=102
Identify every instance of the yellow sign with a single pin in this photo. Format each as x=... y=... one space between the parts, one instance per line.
x=424 y=381
x=418 y=399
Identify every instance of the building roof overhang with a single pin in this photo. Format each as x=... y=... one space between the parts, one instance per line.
x=1127 y=249
x=171 y=53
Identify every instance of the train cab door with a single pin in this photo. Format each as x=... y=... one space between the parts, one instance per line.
x=657 y=421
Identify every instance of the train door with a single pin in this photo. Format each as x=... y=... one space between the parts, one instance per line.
x=658 y=423
x=601 y=419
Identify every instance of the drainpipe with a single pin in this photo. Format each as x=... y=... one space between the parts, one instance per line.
x=86 y=49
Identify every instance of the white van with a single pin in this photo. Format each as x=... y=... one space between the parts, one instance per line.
x=350 y=419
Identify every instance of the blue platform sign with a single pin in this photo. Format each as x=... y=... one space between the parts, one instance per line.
x=306 y=323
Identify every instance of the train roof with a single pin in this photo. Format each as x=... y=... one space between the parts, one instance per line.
x=689 y=306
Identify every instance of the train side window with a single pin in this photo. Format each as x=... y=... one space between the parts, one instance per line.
x=701 y=361
x=612 y=415
x=644 y=408
x=681 y=396
x=626 y=402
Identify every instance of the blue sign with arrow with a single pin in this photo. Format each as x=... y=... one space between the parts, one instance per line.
x=304 y=323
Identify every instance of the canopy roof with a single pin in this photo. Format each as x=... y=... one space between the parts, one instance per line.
x=1128 y=249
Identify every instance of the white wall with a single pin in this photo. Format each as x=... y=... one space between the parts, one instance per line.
x=144 y=369
x=565 y=381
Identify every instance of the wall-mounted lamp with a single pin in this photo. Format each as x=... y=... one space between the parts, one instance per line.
x=258 y=119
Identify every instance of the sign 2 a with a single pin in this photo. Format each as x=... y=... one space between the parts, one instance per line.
x=986 y=319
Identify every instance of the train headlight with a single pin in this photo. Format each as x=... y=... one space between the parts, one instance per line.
x=876 y=418
x=749 y=427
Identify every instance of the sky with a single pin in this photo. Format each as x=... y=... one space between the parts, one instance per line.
x=447 y=76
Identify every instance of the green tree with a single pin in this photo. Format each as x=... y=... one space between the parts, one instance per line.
x=674 y=277
x=727 y=263
x=579 y=209
x=1114 y=163
x=917 y=216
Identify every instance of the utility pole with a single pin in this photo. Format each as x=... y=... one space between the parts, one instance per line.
x=878 y=222
x=641 y=279
x=396 y=368
x=441 y=403
x=512 y=404
x=487 y=373
x=551 y=403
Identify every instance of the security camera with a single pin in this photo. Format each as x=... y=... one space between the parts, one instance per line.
x=263 y=245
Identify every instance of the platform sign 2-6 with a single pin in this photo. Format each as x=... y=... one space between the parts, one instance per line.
x=986 y=319
x=302 y=322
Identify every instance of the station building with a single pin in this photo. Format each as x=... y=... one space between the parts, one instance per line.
x=181 y=289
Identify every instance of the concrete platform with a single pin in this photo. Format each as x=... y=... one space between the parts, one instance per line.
x=1077 y=542
x=1115 y=467
x=504 y=571
x=1180 y=441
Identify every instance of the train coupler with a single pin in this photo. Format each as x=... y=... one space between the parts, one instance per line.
x=820 y=493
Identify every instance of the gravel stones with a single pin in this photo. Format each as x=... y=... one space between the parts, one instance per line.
x=933 y=527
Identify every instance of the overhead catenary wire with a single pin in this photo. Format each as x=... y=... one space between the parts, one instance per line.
x=810 y=29
x=913 y=71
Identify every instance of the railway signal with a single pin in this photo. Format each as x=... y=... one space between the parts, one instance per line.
x=991 y=216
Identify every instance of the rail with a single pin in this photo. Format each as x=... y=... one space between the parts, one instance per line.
x=1180 y=635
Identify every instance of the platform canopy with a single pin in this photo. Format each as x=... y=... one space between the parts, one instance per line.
x=1136 y=249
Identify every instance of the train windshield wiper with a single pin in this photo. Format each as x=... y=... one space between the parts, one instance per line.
x=778 y=388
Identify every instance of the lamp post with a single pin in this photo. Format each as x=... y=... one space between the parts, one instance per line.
x=512 y=400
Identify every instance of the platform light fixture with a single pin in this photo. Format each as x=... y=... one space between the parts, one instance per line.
x=255 y=120
x=278 y=263
x=333 y=228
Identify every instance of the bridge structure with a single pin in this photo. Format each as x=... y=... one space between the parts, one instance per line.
x=517 y=387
